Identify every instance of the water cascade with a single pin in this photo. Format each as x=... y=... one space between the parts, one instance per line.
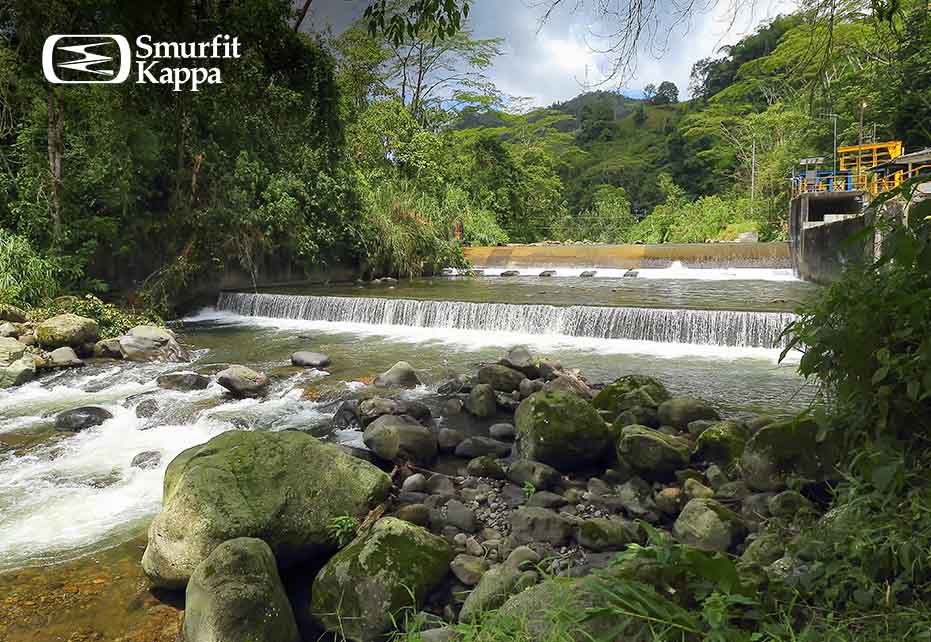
x=702 y=327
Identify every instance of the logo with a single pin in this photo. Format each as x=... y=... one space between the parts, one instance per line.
x=107 y=58
x=84 y=59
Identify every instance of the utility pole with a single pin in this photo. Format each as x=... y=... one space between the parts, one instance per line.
x=752 y=173
x=860 y=144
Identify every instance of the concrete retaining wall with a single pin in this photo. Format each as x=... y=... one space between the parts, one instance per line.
x=720 y=255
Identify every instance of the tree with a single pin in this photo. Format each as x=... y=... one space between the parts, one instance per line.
x=666 y=94
x=649 y=91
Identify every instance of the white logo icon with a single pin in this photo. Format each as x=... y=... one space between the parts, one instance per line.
x=95 y=52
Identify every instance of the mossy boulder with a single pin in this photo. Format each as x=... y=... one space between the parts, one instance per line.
x=151 y=343
x=630 y=392
x=680 y=411
x=722 y=443
x=282 y=487
x=765 y=549
x=16 y=366
x=708 y=525
x=236 y=595
x=392 y=567
x=604 y=534
x=12 y=313
x=500 y=377
x=66 y=330
x=788 y=450
x=562 y=430
x=652 y=453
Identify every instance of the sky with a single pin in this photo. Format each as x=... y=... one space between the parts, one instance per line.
x=555 y=61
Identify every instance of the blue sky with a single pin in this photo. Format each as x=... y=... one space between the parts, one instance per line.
x=549 y=63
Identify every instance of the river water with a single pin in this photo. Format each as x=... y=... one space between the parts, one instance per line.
x=73 y=510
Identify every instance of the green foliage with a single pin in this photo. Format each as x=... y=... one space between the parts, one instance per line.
x=529 y=489
x=479 y=226
x=26 y=277
x=112 y=321
x=609 y=220
x=342 y=529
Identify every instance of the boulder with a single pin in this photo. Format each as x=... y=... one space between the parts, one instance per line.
x=448 y=438
x=530 y=524
x=236 y=595
x=638 y=415
x=284 y=487
x=460 y=516
x=147 y=408
x=80 y=419
x=680 y=411
x=539 y=475
x=630 y=391
x=481 y=401
x=108 y=349
x=765 y=549
x=151 y=343
x=241 y=381
x=500 y=377
x=528 y=387
x=146 y=460
x=562 y=430
x=369 y=410
x=7 y=329
x=789 y=504
x=502 y=431
x=184 y=381
x=400 y=375
x=788 y=449
x=383 y=439
x=16 y=367
x=708 y=525
x=485 y=466
x=722 y=443
x=415 y=441
x=566 y=382
x=694 y=488
x=12 y=313
x=310 y=359
x=652 y=453
x=468 y=569
x=602 y=534
x=418 y=514
x=493 y=590
x=478 y=446
x=521 y=359
x=363 y=587
x=636 y=497
x=66 y=330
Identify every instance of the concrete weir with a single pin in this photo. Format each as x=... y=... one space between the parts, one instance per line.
x=693 y=255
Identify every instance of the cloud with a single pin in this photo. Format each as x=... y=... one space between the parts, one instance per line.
x=556 y=61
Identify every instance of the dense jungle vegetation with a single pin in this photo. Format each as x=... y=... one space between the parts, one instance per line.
x=370 y=147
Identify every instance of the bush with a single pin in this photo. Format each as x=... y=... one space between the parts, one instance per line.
x=479 y=226
x=608 y=220
x=26 y=277
x=112 y=321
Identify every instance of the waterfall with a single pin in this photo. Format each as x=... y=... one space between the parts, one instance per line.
x=704 y=327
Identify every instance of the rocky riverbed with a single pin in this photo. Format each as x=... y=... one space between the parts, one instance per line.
x=447 y=505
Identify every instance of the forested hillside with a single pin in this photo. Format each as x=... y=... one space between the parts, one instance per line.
x=371 y=149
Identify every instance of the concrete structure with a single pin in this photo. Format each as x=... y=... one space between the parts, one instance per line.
x=763 y=255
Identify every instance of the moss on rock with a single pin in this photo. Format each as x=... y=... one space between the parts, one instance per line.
x=652 y=453
x=629 y=392
x=392 y=567
x=788 y=449
x=722 y=443
x=562 y=430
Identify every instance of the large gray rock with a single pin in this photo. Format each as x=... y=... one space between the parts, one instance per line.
x=495 y=587
x=236 y=595
x=383 y=438
x=481 y=401
x=537 y=474
x=7 y=329
x=566 y=382
x=391 y=568
x=66 y=330
x=241 y=381
x=16 y=366
x=652 y=453
x=628 y=392
x=530 y=524
x=562 y=430
x=369 y=410
x=788 y=449
x=521 y=359
x=12 y=313
x=80 y=419
x=151 y=343
x=310 y=359
x=500 y=377
x=416 y=442
x=185 y=381
x=108 y=349
x=680 y=411
x=708 y=525
x=471 y=447
x=401 y=375
x=63 y=357
x=603 y=534
x=283 y=487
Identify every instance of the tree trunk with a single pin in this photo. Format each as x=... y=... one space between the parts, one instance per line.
x=297 y=25
x=56 y=149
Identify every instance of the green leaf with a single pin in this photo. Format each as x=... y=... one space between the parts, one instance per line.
x=880 y=375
